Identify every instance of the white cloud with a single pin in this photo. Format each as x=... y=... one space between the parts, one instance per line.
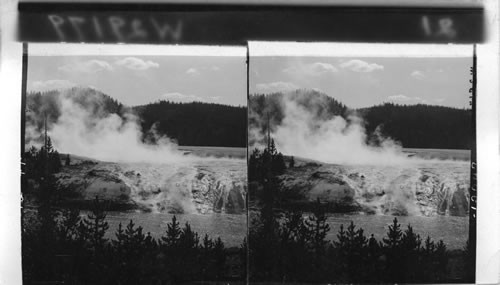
x=89 y=66
x=54 y=84
x=403 y=99
x=135 y=63
x=312 y=69
x=181 y=98
x=215 y=68
x=276 y=87
x=357 y=65
x=400 y=98
x=193 y=71
x=187 y=98
x=417 y=74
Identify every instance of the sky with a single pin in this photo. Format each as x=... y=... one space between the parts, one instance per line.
x=356 y=82
x=367 y=81
x=137 y=80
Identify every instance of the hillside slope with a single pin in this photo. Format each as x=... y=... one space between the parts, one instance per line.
x=196 y=123
x=189 y=124
x=413 y=126
x=421 y=126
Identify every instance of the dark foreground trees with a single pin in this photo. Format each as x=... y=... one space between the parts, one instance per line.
x=297 y=251
x=62 y=246
x=76 y=251
x=291 y=246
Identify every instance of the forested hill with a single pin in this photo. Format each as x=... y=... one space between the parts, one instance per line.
x=196 y=124
x=270 y=107
x=49 y=104
x=190 y=124
x=414 y=126
x=421 y=126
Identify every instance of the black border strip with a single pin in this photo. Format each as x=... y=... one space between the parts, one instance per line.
x=231 y=24
x=472 y=244
x=24 y=81
x=247 y=267
x=155 y=7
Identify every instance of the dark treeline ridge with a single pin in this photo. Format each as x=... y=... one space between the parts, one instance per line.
x=421 y=126
x=59 y=246
x=414 y=126
x=196 y=123
x=291 y=246
x=190 y=124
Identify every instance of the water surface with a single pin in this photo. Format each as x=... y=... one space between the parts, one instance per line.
x=230 y=228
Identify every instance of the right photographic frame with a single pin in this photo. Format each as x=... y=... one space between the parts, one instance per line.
x=361 y=163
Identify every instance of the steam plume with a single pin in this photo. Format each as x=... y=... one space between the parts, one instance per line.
x=334 y=140
x=89 y=131
x=311 y=132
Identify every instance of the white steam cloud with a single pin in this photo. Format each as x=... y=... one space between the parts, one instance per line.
x=163 y=177
x=333 y=141
x=306 y=133
x=107 y=137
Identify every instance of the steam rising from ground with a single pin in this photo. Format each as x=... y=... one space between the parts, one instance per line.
x=380 y=179
x=311 y=133
x=159 y=177
x=331 y=140
x=94 y=133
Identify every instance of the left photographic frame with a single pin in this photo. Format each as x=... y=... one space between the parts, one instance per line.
x=134 y=163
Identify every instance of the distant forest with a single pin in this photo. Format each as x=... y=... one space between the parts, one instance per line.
x=205 y=124
x=197 y=124
x=414 y=126
x=190 y=124
x=421 y=126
